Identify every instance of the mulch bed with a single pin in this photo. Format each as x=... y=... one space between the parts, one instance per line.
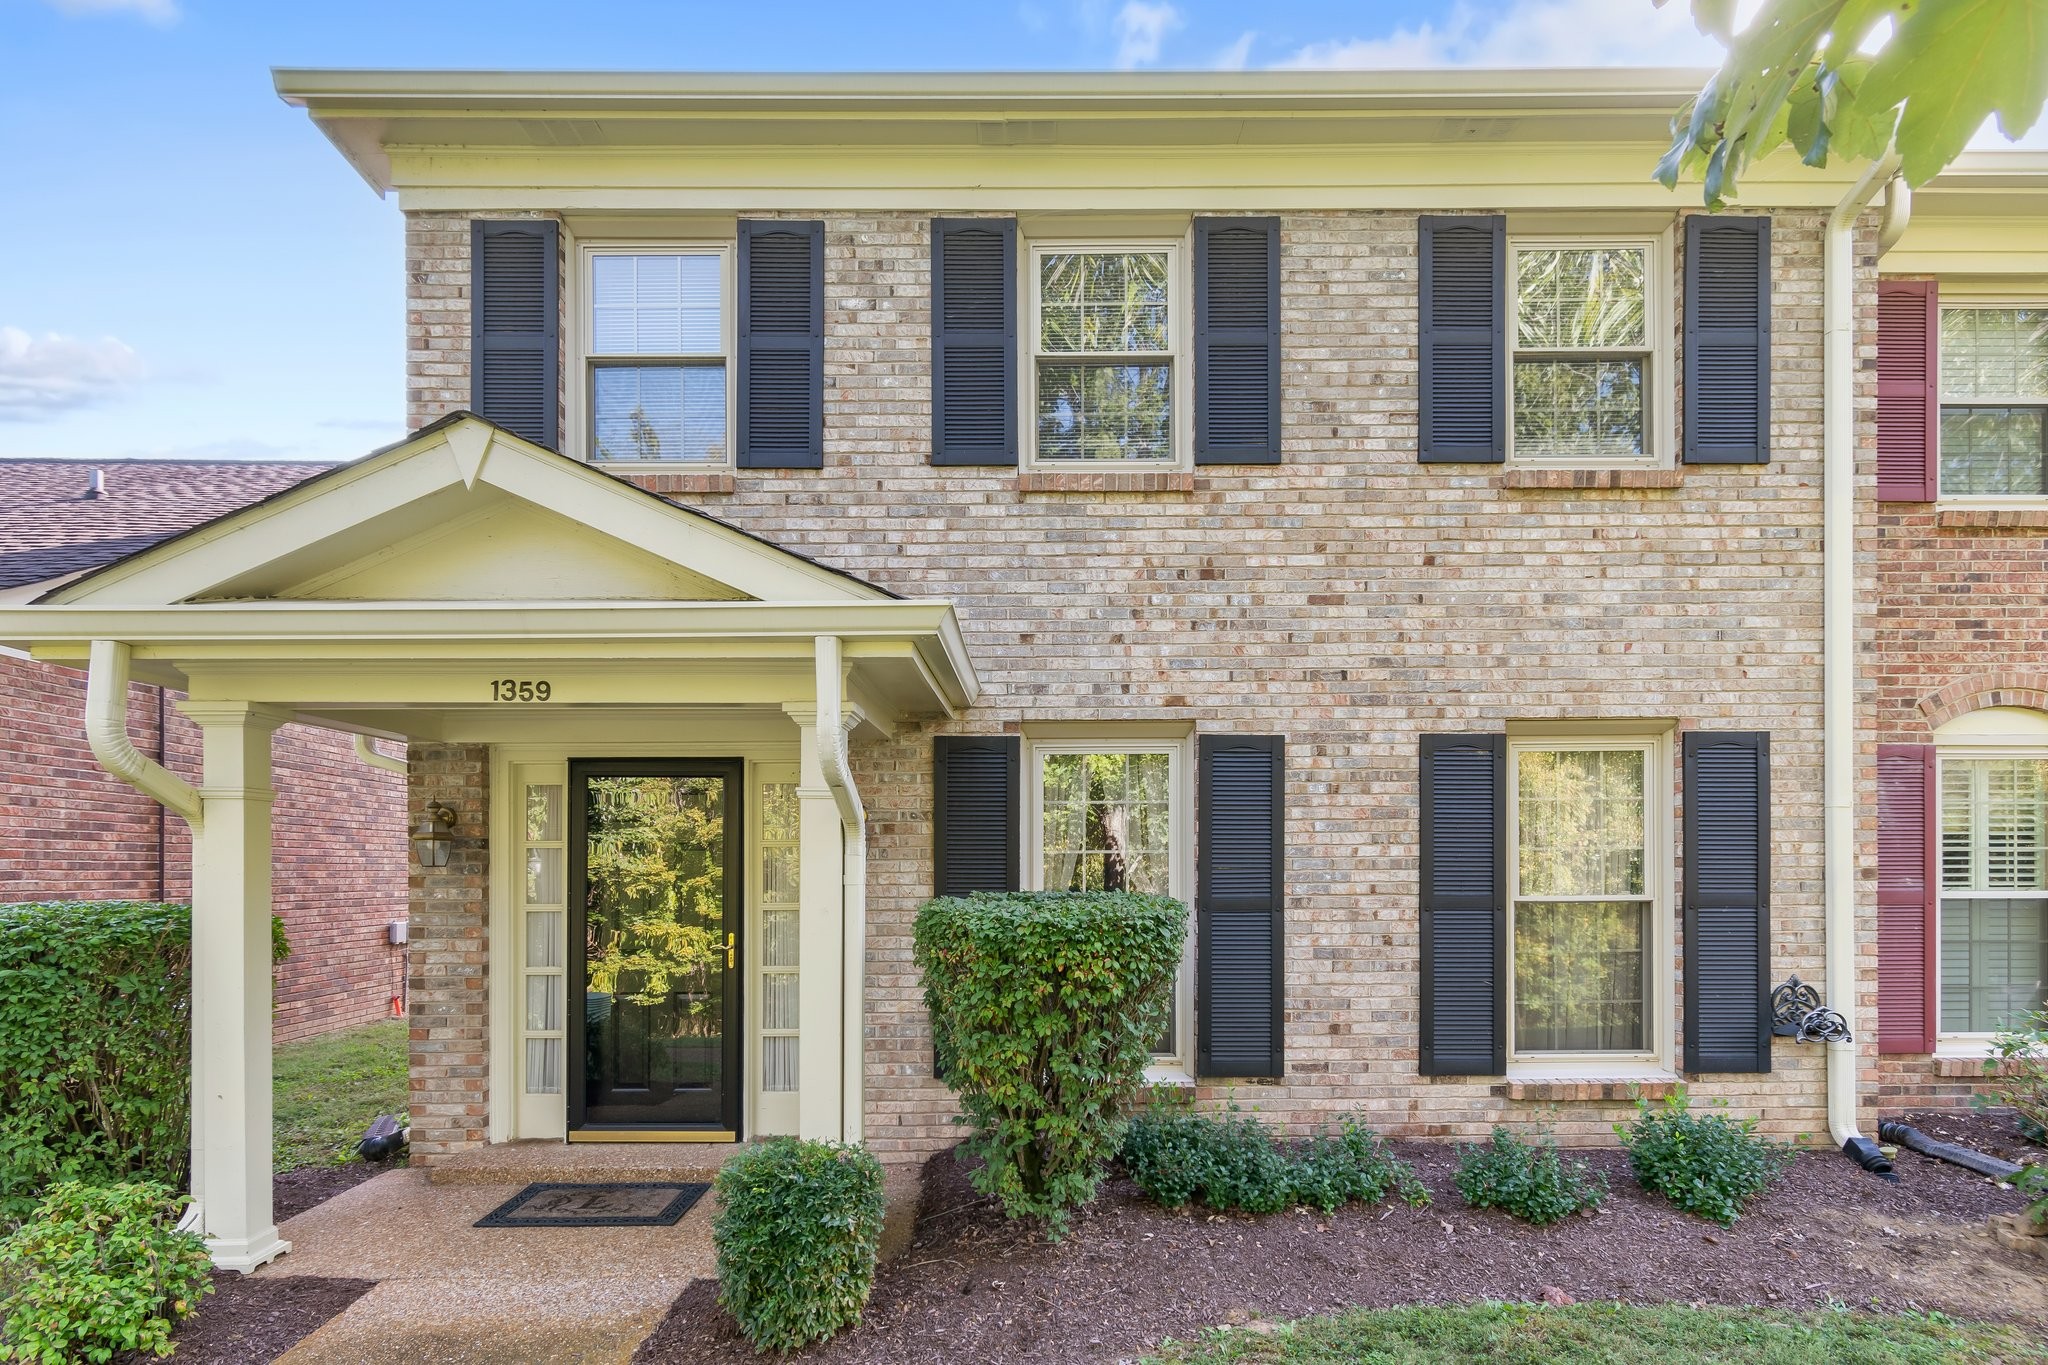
x=975 y=1287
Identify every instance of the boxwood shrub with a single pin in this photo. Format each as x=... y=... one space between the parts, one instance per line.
x=1232 y=1162
x=798 y=1230
x=1530 y=1180
x=1044 y=1008
x=1707 y=1164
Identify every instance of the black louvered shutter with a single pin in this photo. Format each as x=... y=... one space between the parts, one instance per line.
x=1463 y=880
x=974 y=814
x=782 y=345
x=1237 y=341
x=1464 y=346
x=1240 y=905
x=1727 y=851
x=514 y=318
x=1727 y=340
x=974 y=341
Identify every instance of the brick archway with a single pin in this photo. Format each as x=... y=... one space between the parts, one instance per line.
x=2008 y=687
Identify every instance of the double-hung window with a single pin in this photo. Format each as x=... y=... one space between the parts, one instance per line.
x=1993 y=924
x=1994 y=402
x=1584 y=920
x=1105 y=373
x=1588 y=353
x=1112 y=815
x=656 y=345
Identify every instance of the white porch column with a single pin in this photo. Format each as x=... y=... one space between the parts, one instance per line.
x=821 y=921
x=231 y=984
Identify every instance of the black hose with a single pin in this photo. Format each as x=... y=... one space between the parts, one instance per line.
x=1970 y=1160
x=1864 y=1153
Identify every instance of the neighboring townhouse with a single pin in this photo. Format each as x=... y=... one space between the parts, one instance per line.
x=1961 y=647
x=74 y=832
x=1362 y=505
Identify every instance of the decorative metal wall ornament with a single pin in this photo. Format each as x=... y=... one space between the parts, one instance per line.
x=1797 y=1013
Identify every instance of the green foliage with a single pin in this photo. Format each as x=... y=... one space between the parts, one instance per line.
x=99 y=1269
x=798 y=1230
x=326 y=1090
x=2019 y=1064
x=1530 y=1180
x=1609 y=1334
x=657 y=893
x=1233 y=1162
x=1044 y=1008
x=1707 y=1164
x=1795 y=75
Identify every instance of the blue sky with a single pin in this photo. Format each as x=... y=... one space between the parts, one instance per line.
x=188 y=269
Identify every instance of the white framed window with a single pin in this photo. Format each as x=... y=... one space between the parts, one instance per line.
x=1994 y=402
x=1991 y=933
x=1589 y=910
x=657 y=342
x=1107 y=367
x=1589 y=368
x=1115 y=814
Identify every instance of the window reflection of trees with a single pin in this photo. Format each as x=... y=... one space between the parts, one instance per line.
x=655 y=903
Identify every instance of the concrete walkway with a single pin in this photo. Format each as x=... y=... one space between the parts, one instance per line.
x=449 y=1293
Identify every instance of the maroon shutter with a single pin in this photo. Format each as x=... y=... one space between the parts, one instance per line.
x=1907 y=877
x=1908 y=391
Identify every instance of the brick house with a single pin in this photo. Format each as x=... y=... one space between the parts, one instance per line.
x=73 y=832
x=1363 y=506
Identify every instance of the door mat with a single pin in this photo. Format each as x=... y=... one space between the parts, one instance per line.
x=646 y=1204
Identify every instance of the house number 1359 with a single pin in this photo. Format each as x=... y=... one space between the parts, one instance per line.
x=515 y=689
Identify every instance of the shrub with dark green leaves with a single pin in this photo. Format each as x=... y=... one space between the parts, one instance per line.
x=1044 y=1009
x=99 y=1269
x=1530 y=1180
x=1332 y=1169
x=2018 y=1066
x=1234 y=1163
x=798 y=1231
x=1707 y=1164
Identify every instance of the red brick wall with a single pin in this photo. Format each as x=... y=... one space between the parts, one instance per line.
x=1962 y=623
x=68 y=831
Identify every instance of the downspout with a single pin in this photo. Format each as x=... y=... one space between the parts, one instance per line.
x=853 y=821
x=1838 y=632
x=106 y=729
x=367 y=752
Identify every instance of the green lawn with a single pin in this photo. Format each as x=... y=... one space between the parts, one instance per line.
x=1607 y=1334
x=328 y=1089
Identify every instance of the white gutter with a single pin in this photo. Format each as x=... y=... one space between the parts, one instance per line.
x=833 y=722
x=106 y=729
x=1838 y=631
x=367 y=752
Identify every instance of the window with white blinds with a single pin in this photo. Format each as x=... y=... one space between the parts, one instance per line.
x=543 y=903
x=1993 y=934
x=1994 y=402
x=656 y=345
x=780 y=860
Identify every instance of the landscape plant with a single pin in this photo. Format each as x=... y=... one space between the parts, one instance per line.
x=1531 y=1180
x=2018 y=1066
x=1045 y=1007
x=1234 y=1163
x=99 y=1269
x=1707 y=1164
x=798 y=1231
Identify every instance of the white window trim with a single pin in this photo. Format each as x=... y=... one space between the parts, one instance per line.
x=1181 y=358
x=577 y=395
x=1660 y=374
x=1966 y=1044
x=1180 y=864
x=1978 y=501
x=1659 y=868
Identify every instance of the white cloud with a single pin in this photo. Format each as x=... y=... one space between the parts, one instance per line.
x=154 y=11
x=1141 y=26
x=1529 y=33
x=43 y=376
x=1238 y=55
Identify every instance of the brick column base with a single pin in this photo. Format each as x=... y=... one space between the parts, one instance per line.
x=448 y=963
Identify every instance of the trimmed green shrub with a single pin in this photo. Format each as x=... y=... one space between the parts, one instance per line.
x=1234 y=1163
x=1707 y=1164
x=1530 y=1180
x=2018 y=1065
x=99 y=1269
x=798 y=1230
x=1044 y=1008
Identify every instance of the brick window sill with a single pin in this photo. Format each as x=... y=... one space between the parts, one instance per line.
x=1124 y=481
x=1588 y=1089
x=1590 y=478
x=1972 y=1068
x=1993 y=518
x=687 y=484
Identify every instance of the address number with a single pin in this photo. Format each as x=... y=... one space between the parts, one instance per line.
x=520 y=689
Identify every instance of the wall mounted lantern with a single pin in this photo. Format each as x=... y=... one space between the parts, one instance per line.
x=434 y=836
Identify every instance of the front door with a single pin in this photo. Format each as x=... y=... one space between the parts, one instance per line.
x=655 y=851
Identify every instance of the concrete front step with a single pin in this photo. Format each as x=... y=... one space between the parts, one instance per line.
x=590 y=1163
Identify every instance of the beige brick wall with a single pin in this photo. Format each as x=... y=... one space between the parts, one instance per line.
x=1350 y=599
x=448 y=957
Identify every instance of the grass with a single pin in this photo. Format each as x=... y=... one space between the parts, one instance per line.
x=1607 y=1334
x=328 y=1089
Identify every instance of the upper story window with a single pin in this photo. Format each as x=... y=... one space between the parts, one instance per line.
x=1104 y=368
x=1588 y=353
x=1993 y=922
x=657 y=341
x=1994 y=402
